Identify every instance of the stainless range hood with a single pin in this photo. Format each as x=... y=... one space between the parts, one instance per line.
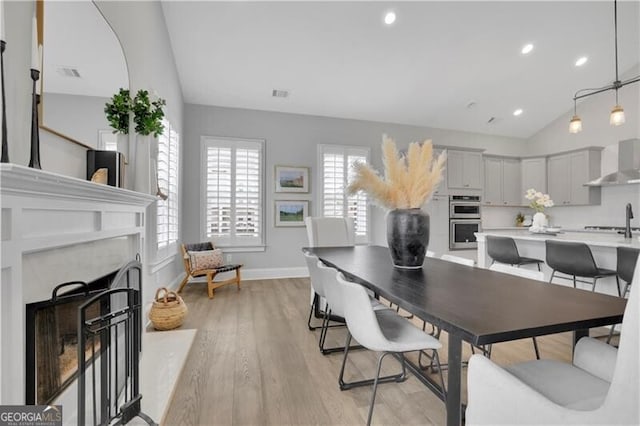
x=628 y=166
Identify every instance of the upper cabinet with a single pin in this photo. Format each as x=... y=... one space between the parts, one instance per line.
x=464 y=170
x=534 y=175
x=442 y=188
x=502 y=181
x=567 y=174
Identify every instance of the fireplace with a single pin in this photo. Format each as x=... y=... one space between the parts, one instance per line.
x=52 y=339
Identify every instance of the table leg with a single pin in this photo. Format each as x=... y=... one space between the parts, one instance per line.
x=579 y=334
x=454 y=381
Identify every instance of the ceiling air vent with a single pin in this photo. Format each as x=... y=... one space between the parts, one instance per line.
x=280 y=93
x=492 y=120
x=69 y=72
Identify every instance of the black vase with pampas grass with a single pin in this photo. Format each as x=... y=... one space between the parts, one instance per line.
x=408 y=184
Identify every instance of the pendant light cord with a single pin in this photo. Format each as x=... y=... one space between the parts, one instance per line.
x=615 y=26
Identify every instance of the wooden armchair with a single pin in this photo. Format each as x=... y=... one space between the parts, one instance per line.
x=209 y=273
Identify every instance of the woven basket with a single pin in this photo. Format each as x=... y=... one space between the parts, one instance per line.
x=168 y=310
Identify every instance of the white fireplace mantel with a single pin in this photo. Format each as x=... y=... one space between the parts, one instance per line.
x=56 y=228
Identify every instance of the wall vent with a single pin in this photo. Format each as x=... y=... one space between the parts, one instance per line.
x=280 y=93
x=69 y=72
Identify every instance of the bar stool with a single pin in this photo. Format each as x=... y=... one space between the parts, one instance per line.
x=504 y=250
x=626 y=263
x=576 y=260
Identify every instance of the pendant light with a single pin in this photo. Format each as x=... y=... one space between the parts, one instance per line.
x=616 y=117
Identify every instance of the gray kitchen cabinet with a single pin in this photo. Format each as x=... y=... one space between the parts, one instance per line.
x=534 y=175
x=442 y=188
x=464 y=170
x=501 y=181
x=559 y=177
x=438 y=210
x=567 y=174
x=492 y=181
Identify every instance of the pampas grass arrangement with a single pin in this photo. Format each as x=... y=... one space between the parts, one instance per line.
x=409 y=181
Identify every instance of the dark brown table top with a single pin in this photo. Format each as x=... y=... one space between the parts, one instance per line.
x=480 y=305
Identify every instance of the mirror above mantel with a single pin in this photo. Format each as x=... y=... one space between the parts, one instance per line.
x=83 y=66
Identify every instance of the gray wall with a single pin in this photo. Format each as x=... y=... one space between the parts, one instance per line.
x=292 y=139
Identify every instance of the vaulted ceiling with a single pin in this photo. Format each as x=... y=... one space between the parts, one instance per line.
x=339 y=59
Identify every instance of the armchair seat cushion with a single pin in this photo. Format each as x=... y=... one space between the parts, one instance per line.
x=563 y=383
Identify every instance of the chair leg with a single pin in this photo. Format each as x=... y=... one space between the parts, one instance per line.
x=210 y=284
x=574 y=282
x=613 y=327
x=366 y=382
x=535 y=347
x=538 y=264
x=593 y=289
x=238 y=278
x=618 y=286
x=184 y=282
x=375 y=387
x=626 y=289
x=553 y=273
x=316 y=300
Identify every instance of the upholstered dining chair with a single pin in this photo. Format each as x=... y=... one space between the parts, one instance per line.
x=326 y=232
x=627 y=257
x=601 y=386
x=382 y=331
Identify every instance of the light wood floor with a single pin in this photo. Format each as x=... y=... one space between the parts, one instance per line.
x=255 y=362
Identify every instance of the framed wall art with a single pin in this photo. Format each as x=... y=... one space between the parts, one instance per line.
x=290 y=213
x=292 y=179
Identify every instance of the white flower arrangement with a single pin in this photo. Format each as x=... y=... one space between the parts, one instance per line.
x=538 y=200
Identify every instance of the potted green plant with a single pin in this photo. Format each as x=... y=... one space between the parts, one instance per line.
x=519 y=219
x=147 y=114
x=117 y=111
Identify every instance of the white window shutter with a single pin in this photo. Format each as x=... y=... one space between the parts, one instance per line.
x=218 y=193
x=168 y=165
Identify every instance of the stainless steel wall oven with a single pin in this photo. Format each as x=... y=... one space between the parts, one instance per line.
x=464 y=221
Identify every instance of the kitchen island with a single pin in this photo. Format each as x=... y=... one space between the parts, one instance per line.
x=602 y=244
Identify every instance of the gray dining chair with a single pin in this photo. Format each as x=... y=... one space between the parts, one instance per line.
x=575 y=260
x=504 y=250
x=381 y=331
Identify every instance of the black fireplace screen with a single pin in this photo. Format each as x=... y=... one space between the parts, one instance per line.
x=52 y=335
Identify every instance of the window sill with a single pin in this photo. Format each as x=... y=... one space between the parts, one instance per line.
x=240 y=249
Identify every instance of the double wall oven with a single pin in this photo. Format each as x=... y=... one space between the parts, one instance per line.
x=464 y=221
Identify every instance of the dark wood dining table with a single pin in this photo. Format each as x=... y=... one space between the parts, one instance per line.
x=472 y=304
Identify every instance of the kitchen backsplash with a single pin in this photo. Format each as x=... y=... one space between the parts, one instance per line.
x=610 y=212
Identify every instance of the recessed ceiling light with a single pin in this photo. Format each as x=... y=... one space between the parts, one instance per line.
x=527 y=48
x=389 y=18
x=581 y=61
x=517 y=112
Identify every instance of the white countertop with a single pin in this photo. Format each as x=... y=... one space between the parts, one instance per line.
x=603 y=239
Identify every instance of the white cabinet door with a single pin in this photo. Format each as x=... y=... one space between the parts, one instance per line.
x=511 y=194
x=492 y=181
x=559 y=176
x=455 y=169
x=579 y=163
x=472 y=170
x=534 y=175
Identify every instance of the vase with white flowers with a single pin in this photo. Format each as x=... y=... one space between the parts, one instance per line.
x=538 y=202
x=409 y=182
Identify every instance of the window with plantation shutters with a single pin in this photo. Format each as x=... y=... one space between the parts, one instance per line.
x=168 y=166
x=334 y=175
x=233 y=213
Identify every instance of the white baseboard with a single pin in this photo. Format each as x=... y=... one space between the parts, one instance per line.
x=249 y=274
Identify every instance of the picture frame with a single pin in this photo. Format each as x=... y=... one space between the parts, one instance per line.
x=290 y=213
x=291 y=179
